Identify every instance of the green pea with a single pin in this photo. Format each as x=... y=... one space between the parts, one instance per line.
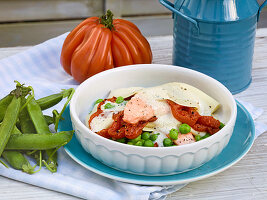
x=167 y=142
x=148 y=143
x=143 y=141
x=153 y=137
x=173 y=134
x=145 y=135
x=135 y=139
x=221 y=125
x=197 y=137
x=130 y=143
x=184 y=128
x=122 y=140
x=98 y=101
x=108 y=106
x=119 y=100
x=139 y=143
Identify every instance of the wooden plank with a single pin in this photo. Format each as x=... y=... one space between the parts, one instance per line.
x=126 y=8
x=24 y=191
x=34 y=10
x=115 y=6
x=19 y=34
x=32 y=33
x=141 y=7
x=153 y=26
x=263 y=18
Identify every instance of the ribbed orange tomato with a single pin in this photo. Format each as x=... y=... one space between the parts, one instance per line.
x=101 y=43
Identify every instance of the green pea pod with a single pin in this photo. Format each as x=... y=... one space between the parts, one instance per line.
x=51 y=100
x=16 y=160
x=41 y=127
x=26 y=124
x=49 y=120
x=4 y=104
x=52 y=154
x=59 y=115
x=8 y=126
x=38 y=141
x=16 y=131
x=9 y=121
x=37 y=117
x=56 y=118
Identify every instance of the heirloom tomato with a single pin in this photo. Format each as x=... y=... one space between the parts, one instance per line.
x=101 y=43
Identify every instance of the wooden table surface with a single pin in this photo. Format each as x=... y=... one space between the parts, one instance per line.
x=245 y=180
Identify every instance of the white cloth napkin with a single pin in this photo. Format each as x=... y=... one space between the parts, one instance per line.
x=40 y=67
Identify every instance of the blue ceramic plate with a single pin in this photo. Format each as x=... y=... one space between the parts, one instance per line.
x=239 y=144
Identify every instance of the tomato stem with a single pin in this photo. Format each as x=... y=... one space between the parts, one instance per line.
x=107 y=20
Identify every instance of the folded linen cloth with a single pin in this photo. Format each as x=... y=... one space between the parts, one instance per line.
x=40 y=67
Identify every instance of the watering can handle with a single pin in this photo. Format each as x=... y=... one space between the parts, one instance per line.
x=170 y=6
x=261 y=7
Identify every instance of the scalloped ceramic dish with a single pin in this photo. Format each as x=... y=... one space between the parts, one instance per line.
x=159 y=161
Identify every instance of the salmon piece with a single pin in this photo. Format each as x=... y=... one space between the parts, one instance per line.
x=137 y=110
x=185 y=139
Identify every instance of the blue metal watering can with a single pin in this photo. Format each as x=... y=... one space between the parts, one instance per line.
x=216 y=37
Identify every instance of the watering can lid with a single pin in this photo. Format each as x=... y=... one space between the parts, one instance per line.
x=218 y=10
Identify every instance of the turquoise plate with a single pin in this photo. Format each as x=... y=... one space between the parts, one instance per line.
x=239 y=144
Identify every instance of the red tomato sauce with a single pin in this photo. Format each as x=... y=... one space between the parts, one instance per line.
x=119 y=128
x=191 y=117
